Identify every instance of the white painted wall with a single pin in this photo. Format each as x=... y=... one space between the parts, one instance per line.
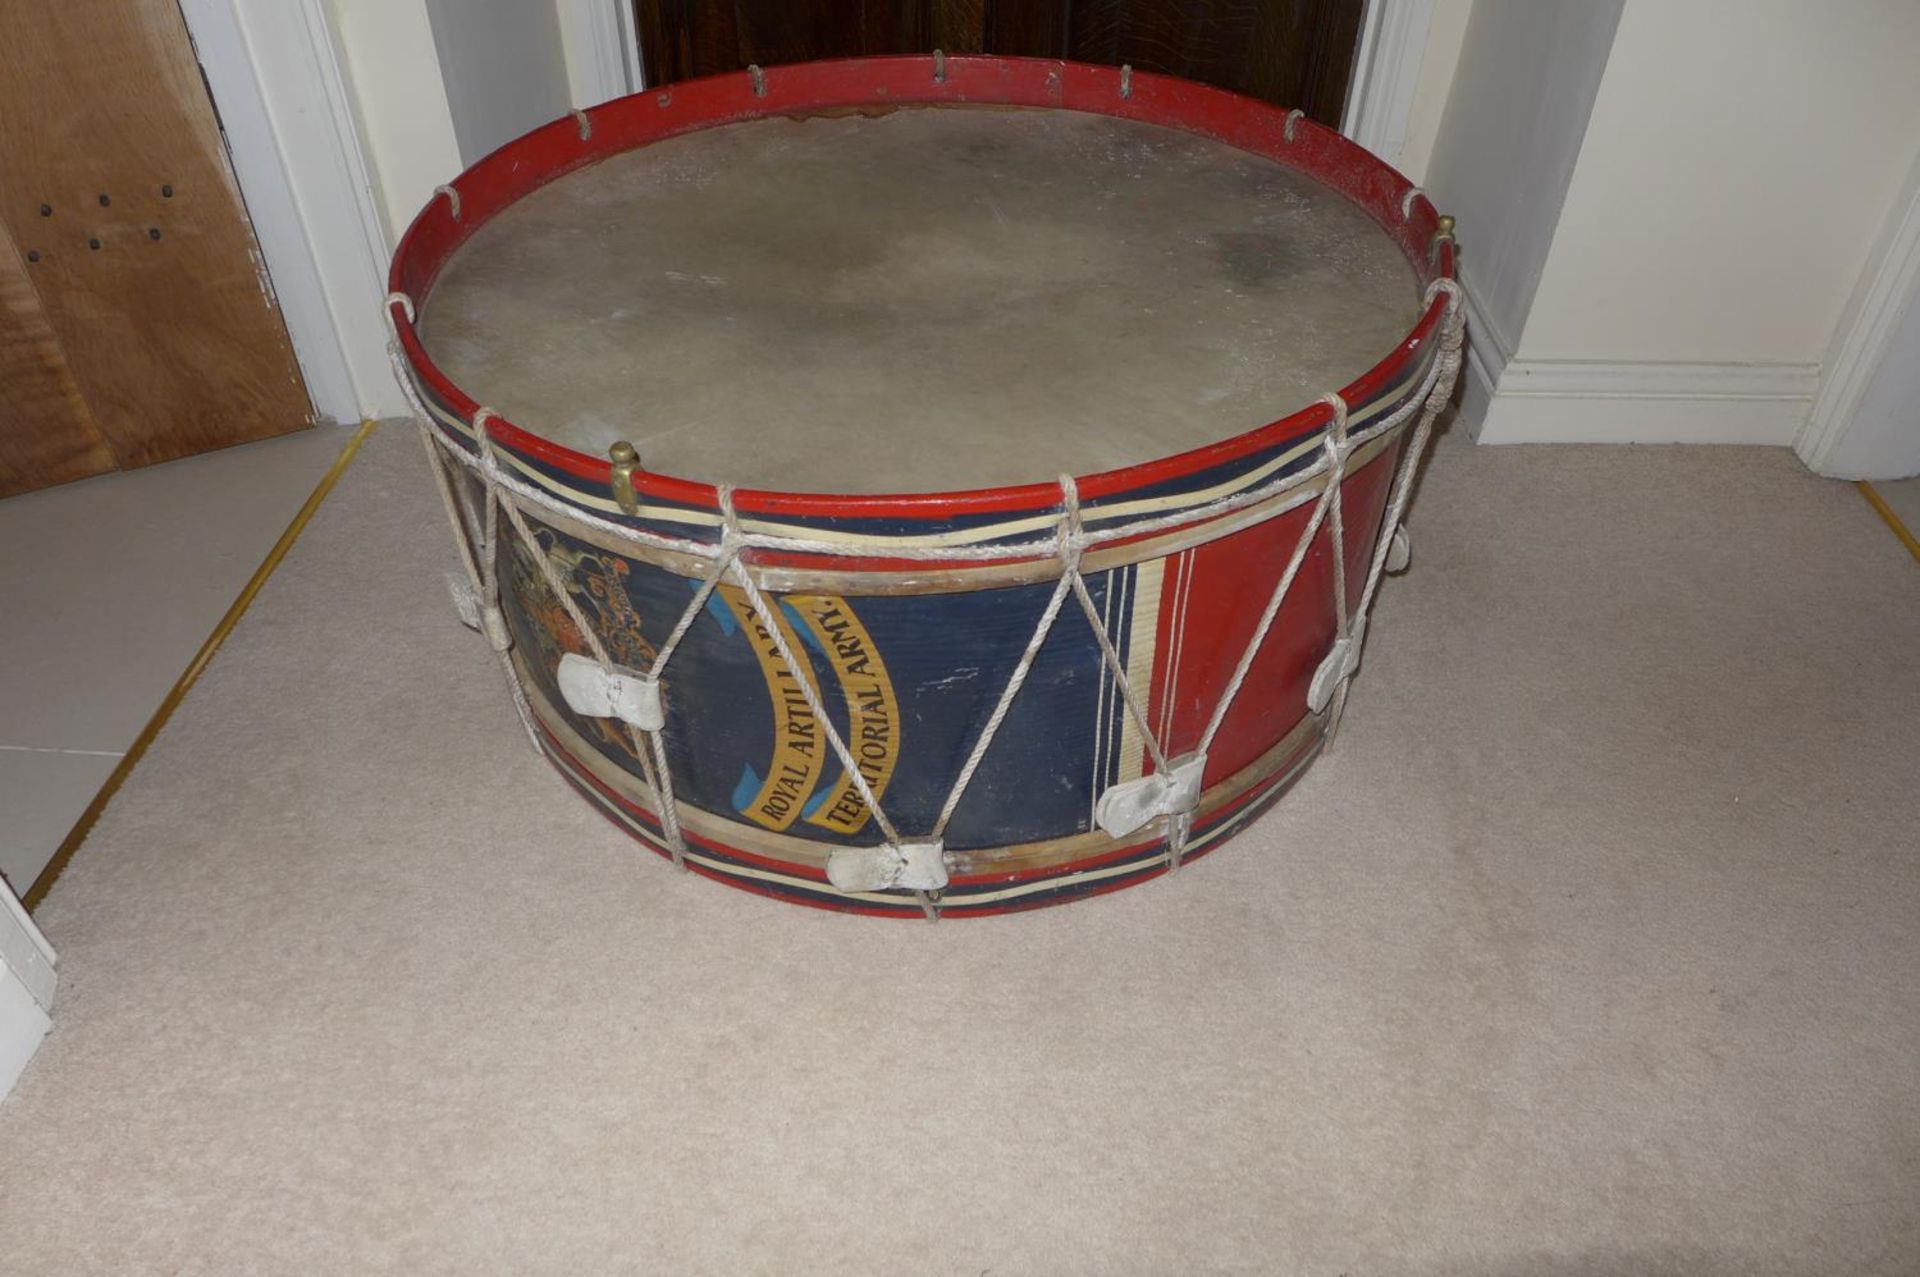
x=392 y=71
x=503 y=68
x=1740 y=160
x=1667 y=254
x=1503 y=157
x=1507 y=145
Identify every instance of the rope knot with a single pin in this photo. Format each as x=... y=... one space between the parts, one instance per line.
x=1070 y=537
x=1451 y=287
x=1336 y=444
x=730 y=535
x=1453 y=325
x=483 y=442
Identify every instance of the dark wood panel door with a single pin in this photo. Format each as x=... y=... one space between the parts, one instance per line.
x=1288 y=52
x=142 y=327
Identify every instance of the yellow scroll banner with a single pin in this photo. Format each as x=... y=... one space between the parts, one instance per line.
x=873 y=712
x=799 y=750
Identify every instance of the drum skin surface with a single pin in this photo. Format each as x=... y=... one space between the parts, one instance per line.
x=902 y=617
x=942 y=297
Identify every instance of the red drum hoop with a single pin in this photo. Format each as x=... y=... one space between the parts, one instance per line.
x=551 y=152
x=1317 y=491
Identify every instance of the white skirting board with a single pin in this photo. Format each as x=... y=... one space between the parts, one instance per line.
x=1509 y=400
x=27 y=980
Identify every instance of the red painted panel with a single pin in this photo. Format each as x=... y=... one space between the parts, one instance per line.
x=1210 y=607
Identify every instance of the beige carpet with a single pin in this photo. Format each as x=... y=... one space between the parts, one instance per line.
x=1594 y=948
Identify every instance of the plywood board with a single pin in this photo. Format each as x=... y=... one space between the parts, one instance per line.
x=113 y=172
x=47 y=433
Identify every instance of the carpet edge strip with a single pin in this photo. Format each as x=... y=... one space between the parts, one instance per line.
x=77 y=835
x=1886 y=512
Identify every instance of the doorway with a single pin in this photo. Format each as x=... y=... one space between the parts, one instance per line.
x=1287 y=52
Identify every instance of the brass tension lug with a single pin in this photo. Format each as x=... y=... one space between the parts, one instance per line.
x=626 y=459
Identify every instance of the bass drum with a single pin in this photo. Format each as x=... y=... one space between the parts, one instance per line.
x=927 y=486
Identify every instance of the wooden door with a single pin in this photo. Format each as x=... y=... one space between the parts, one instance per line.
x=1288 y=52
x=140 y=325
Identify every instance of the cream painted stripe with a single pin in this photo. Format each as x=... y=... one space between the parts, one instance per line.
x=1177 y=640
x=728 y=867
x=589 y=768
x=969 y=899
x=587 y=763
x=966 y=536
x=1097 y=777
x=969 y=536
x=1143 y=630
x=1113 y=704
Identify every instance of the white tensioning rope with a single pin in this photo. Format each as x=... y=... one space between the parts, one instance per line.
x=1336 y=517
x=648 y=749
x=463 y=531
x=1272 y=610
x=1447 y=368
x=1107 y=652
x=1070 y=541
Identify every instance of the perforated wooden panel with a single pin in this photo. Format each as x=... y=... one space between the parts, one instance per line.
x=115 y=187
x=47 y=432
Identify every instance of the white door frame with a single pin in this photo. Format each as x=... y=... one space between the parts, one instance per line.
x=27 y=980
x=1888 y=288
x=603 y=50
x=1386 y=74
x=275 y=77
x=274 y=70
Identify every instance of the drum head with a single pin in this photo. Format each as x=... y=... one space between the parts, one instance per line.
x=920 y=299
